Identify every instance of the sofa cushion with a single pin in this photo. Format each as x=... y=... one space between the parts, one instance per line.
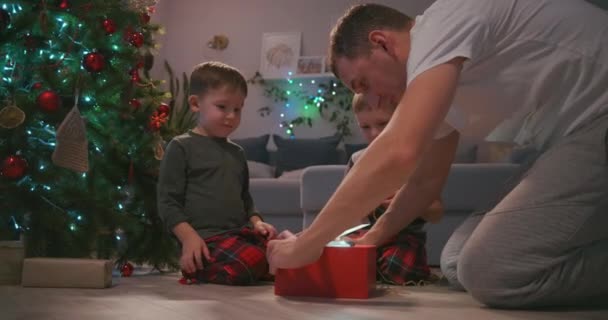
x=260 y=170
x=255 y=148
x=292 y=175
x=293 y=154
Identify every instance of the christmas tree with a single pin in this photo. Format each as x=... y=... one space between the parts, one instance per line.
x=80 y=130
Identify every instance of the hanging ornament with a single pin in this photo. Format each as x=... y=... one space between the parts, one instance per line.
x=134 y=75
x=136 y=39
x=13 y=167
x=64 y=4
x=37 y=85
x=188 y=278
x=11 y=117
x=48 y=101
x=126 y=270
x=138 y=5
x=72 y=151
x=135 y=104
x=145 y=18
x=159 y=150
x=157 y=120
x=94 y=62
x=164 y=109
x=109 y=26
x=5 y=20
x=31 y=42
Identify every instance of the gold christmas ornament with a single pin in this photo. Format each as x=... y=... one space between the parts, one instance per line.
x=11 y=117
x=72 y=150
x=159 y=150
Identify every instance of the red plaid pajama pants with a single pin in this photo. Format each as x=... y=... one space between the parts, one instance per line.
x=237 y=258
x=402 y=259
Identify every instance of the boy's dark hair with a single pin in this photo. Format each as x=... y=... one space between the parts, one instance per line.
x=213 y=75
x=349 y=37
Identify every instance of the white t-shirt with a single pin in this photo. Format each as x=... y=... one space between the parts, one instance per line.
x=535 y=69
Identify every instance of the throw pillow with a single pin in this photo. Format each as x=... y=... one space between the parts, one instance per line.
x=255 y=148
x=293 y=154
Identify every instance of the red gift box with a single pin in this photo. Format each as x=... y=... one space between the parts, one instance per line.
x=341 y=272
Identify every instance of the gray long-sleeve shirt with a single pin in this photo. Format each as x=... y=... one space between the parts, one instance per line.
x=204 y=181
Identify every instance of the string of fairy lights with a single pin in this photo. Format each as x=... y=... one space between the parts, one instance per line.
x=300 y=104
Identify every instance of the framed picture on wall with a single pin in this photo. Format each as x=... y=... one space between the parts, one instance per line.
x=280 y=52
x=311 y=64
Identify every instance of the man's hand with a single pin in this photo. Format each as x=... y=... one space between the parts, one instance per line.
x=286 y=252
x=369 y=238
x=265 y=229
x=191 y=259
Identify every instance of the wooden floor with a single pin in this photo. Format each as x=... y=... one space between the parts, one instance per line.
x=150 y=297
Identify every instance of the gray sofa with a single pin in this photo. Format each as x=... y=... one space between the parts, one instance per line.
x=469 y=187
x=278 y=200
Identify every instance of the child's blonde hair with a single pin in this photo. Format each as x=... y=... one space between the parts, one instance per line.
x=213 y=75
x=360 y=104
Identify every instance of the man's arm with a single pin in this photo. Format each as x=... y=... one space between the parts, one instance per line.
x=415 y=198
x=392 y=157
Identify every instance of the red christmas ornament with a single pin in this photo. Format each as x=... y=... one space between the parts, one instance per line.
x=13 y=167
x=145 y=18
x=94 y=62
x=135 y=104
x=64 y=4
x=136 y=39
x=188 y=278
x=48 y=101
x=109 y=26
x=37 y=85
x=157 y=120
x=164 y=109
x=127 y=34
x=134 y=75
x=31 y=42
x=126 y=270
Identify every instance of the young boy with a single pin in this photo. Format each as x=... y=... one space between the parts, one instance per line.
x=402 y=259
x=203 y=188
